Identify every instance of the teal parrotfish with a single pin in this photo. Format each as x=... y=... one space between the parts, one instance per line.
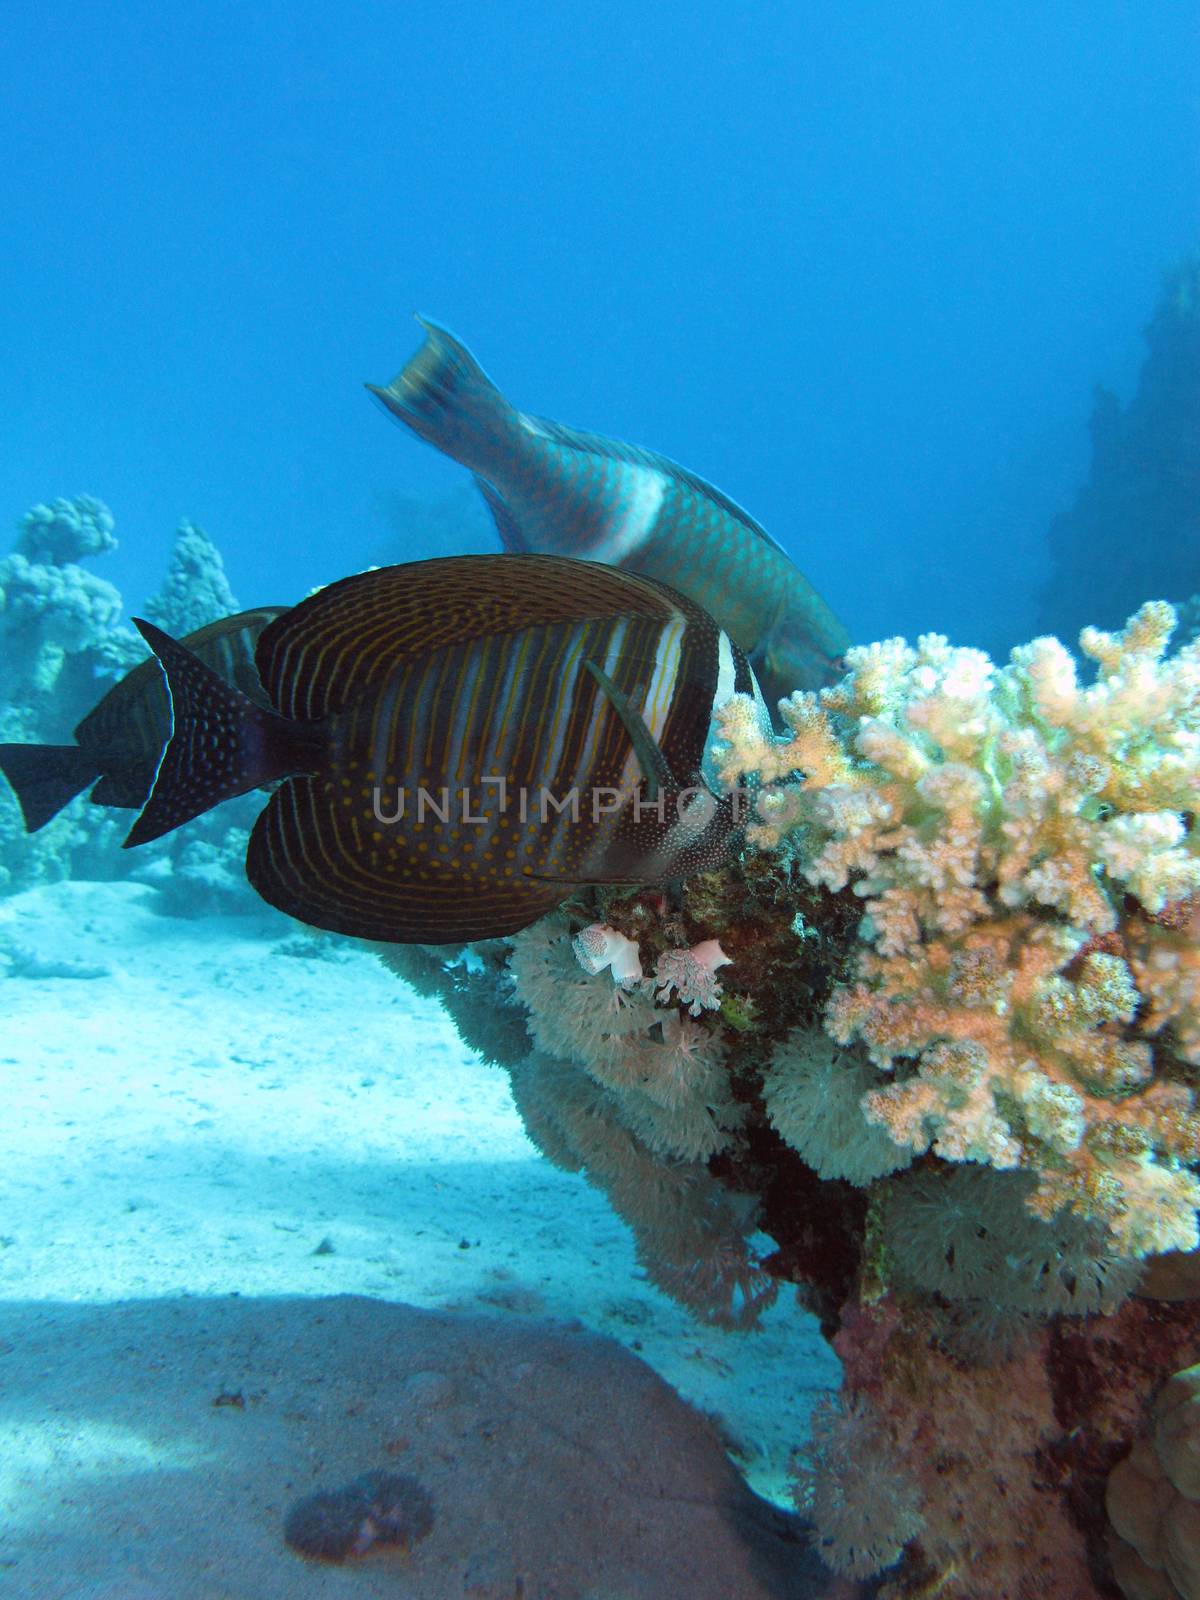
x=121 y=739
x=462 y=743
x=558 y=490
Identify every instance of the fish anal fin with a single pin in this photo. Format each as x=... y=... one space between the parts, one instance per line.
x=308 y=861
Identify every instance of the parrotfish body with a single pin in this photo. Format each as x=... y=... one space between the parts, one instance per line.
x=121 y=739
x=555 y=489
x=420 y=717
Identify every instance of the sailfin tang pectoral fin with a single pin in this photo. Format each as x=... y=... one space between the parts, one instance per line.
x=650 y=758
x=221 y=744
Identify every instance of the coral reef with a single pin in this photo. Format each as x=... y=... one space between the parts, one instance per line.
x=62 y=646
x=1145 y=474
x=1027 y=978
x=195 y=589
x=935 y=1036
x=58 y=621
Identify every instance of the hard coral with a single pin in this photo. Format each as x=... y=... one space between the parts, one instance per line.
x=195 y=590
x=998 y=824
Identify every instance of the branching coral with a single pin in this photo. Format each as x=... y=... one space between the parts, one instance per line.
x=195 y=590
x=1022 y=845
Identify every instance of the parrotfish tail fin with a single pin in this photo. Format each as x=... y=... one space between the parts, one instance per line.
x=45 y=776
x=653 y=763
x=447 y=399
x=221 y=743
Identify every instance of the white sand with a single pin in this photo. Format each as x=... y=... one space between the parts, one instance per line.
x=213 y=1113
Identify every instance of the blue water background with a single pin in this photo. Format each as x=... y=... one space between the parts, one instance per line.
x=860 y=264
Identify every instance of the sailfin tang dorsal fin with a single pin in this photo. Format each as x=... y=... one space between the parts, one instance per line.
x=348 y=639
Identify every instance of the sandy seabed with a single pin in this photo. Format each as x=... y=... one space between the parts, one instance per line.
x=233 y=1112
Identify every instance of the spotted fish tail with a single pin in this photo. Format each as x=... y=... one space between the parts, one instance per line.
x=222 y=744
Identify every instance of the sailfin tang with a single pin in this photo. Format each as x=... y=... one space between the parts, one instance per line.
x=221 y=745
x=45 y=776
x=125 y=788
x=308 y=859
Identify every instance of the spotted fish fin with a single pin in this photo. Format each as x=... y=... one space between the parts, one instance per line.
x=306 y=858
x=446 y=398
x=650 y=758
x=221 y=743
x=45 y=776
x=510 y=533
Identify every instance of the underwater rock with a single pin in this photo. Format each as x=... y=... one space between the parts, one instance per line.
x=1144 y=474
x=559 y=1464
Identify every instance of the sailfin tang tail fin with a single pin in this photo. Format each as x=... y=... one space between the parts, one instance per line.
x=45 y=776
x=221 y=745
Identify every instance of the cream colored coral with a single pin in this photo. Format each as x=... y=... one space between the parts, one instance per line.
x=997 y=824
x=1166 y=962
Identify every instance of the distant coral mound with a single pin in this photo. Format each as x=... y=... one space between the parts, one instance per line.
x=63 y=644
x=1145 y=474
x=195 y=590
